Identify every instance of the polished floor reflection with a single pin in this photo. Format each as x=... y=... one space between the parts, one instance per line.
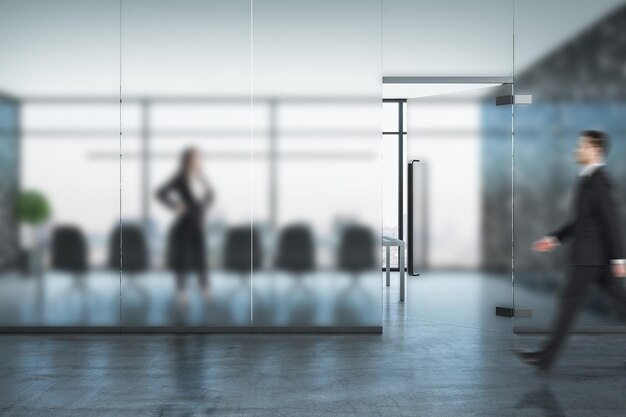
x=470 y=298
x=415 y=368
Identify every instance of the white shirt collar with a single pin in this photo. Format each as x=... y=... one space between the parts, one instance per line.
x=590 y=169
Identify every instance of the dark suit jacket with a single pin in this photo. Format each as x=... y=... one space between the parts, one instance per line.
x=179 y=186
x=186 y=246
x=594 y=230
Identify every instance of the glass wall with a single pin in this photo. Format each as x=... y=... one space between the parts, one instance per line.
x=214 y=164
x=59 y=86
x=576 y=81
x=318 y=167
x=447 y=38
x=186 y=170
x=187 y=165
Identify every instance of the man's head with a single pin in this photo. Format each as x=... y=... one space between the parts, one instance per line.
x=593 y=146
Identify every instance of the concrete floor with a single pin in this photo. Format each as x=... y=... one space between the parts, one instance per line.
x=415 y=368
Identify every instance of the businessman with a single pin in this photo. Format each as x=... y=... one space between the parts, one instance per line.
x=596 y=249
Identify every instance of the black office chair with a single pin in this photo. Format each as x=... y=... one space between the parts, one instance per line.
x=134 y=250
x=296 y=255
x=242 y=250
x=356 y=249
x=69 y=255
x=69 y=250
x=356 y=255
x=296 y=249
x=242 y=253
x=134 y=261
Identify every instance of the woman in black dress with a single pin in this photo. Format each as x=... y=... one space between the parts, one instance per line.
x=189 y=194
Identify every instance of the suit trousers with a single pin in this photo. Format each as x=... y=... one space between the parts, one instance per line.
x=580 y=279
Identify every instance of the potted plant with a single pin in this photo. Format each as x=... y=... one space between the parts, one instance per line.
x=32 y=210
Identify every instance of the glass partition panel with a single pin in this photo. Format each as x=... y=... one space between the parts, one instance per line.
x=59 y=122
x=186 y=172
x=447 y=38
x=461 y=210
x=575 y=77
x=317 y=169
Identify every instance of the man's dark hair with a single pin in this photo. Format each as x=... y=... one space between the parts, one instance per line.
x=597 y=139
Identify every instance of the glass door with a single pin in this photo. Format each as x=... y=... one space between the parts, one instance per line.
x=459 y=147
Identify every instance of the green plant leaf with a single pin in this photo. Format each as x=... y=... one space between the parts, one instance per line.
x=32 y=207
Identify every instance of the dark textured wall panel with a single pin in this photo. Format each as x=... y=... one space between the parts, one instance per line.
x=9 y=177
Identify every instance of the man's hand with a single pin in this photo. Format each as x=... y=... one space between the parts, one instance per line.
x=619 y=270
x=545 y=244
